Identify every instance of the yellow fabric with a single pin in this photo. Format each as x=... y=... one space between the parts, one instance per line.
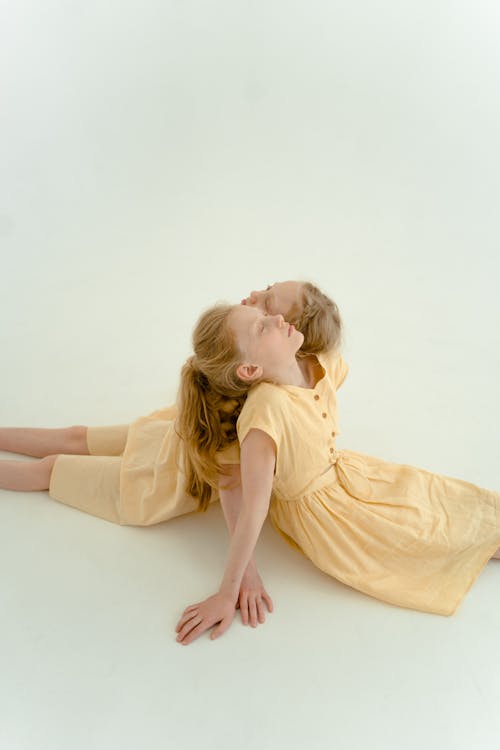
x=398 y=533
x=152 y=480
x=107 y=441
x=133 y=475
x=92 y=483
x=88 y=483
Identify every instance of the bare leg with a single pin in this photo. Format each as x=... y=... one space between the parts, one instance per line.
x=39 y=442
x=26 y=476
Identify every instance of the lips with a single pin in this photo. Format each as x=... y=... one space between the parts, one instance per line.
x=291 y=329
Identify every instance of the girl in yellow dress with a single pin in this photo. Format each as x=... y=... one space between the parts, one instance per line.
x=407 y=536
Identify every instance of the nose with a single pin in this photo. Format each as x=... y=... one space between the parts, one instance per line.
x=280 y=320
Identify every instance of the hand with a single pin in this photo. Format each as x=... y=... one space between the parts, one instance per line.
x=251 y=596
x=197 y=618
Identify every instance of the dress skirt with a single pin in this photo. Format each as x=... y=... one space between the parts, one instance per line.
x=133 y=475
x=92 y=483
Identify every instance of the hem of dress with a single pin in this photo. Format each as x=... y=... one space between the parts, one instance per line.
x=479 y=568
x=444 y=612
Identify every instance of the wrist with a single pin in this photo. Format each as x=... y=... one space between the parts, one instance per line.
x=251 y=567
x=229 y=593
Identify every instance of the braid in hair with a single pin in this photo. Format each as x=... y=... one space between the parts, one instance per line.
x=211 y=397
x=319 y=320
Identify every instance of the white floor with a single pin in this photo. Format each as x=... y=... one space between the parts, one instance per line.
x=158 y=158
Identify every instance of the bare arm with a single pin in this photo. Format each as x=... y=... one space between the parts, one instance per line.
x=253 y=597
x=258 y=459
x=231 y=499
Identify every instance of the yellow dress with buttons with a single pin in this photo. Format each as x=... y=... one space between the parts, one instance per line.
x=404 y=535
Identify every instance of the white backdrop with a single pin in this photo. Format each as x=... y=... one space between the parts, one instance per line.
x=157 y=157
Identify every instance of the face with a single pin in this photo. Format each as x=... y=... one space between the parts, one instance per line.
x=267 y=342
x=283 y=297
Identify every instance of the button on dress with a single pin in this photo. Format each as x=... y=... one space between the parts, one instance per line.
x=402 y=534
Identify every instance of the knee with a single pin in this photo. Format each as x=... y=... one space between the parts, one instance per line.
x=42 y=472
x=49 y=461
x=77 y=438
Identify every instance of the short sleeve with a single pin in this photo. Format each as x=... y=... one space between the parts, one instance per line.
x=341 y=369
x=263 y=410
x=335 y=365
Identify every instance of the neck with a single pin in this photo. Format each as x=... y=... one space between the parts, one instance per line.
x=297 y=374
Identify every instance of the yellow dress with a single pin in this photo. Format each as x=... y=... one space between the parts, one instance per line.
x=152 y=481
x=398 y=533
x=134 y=473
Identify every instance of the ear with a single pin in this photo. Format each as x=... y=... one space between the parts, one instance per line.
x=249 y=373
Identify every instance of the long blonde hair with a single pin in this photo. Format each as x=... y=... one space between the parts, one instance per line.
x=211 y=396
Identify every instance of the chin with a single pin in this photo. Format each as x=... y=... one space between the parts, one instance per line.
x=300 y=339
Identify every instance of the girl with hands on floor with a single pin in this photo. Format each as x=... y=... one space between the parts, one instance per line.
x=317 y=316
x=407 y=536
x=235 y=347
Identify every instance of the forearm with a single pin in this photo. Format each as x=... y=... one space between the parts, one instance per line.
x=231 y=502
x=243 y=541
x=258 y=457
x=231 y=506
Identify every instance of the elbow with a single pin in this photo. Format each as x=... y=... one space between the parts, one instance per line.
x=253 y=511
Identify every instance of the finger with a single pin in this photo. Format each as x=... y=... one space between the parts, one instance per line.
x=197 y=631
x=260 y=611
x=268 y=600
x=220 y=629
x=188 y=627
x=244 y=608
x=252 y=608
x=194 y=630
x=186 y=618
x=193 y=606
x=187 y=615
